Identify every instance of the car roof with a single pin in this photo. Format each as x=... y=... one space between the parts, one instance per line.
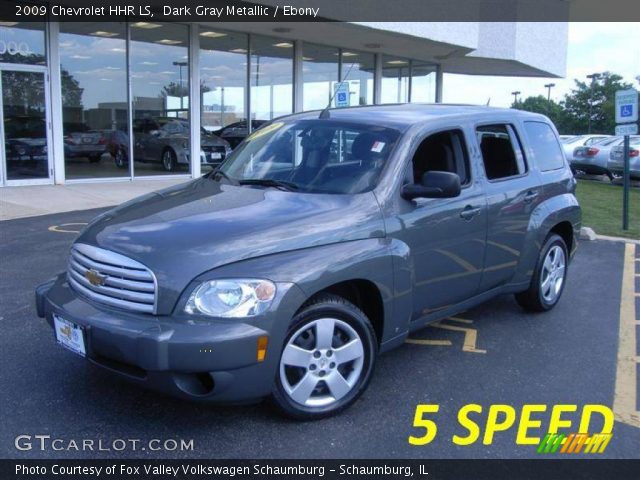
x=404 y=115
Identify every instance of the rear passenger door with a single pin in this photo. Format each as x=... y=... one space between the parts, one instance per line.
x=513 y=192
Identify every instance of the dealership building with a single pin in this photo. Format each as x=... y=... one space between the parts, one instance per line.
x=81 y=100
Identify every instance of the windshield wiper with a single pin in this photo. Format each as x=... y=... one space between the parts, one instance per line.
x=269 y=182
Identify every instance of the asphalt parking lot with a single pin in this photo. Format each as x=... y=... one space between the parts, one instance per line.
x=493 y=354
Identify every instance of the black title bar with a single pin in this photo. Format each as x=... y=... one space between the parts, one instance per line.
x=543 y=468
x=321 y=10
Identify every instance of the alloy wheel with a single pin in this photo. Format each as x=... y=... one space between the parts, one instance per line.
x=553 y=271
x=322 y=362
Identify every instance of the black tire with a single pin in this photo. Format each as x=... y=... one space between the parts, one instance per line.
x=533 y=299
x=120 y=158
x=169 y=160
x=321 y=307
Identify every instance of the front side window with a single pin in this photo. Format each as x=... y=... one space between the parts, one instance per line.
x=501 y=151
x=313 y=156
x=545 y=147
x=443 y=152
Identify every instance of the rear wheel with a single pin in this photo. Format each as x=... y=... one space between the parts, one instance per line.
x=327 y=359
x=547 y=283
x=169 y=160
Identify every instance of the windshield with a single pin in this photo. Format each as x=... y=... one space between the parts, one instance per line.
x=314 y=156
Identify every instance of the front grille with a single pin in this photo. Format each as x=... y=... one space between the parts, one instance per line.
x=112 y=279
x=214 y=148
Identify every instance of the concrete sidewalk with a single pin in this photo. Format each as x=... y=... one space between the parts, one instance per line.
x=20 y=202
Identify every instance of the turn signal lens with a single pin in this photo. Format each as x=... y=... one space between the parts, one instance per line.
x=262 y=348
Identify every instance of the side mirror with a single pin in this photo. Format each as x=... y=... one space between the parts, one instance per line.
x=434 y=184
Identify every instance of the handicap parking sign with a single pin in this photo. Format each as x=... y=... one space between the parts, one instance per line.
x=626 y=106
x=342 y=94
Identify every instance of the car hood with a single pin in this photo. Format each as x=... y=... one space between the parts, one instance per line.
x=186 y=230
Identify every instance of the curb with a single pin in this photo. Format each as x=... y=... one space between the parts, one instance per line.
x=588 y=234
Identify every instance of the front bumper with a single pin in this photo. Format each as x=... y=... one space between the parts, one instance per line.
x=213 y=360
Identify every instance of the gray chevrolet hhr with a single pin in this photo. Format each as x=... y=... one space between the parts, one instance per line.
x=324 y=239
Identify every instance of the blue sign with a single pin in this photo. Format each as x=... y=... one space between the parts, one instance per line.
x=626 y=111
x=626 y=106
x=341 y=95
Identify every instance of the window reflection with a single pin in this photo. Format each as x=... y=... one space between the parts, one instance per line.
x=358 y=69
x=319 y=73
x=395 y=80
x=22 y=42
x=223 y=80
x=423 y=82
x=271 y=78
x=94 y=99
x=160 y=85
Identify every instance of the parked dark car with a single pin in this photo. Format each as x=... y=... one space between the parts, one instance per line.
x=26 y=142
x=321 y=242
x=117 y=146
x=235 y=132
x=166 y=140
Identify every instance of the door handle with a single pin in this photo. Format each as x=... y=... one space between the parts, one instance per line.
x=530 y=196
x=469 y=212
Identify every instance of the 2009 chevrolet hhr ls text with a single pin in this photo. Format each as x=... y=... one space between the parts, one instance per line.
x=323 y=240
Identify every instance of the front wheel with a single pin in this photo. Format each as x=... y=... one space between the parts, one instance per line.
x=549 y=278
x=327 y=359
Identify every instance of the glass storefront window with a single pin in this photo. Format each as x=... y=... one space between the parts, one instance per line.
x=223 y=78
x=423 y=82
x=160 y=85
x=358 y=69
x=22 y=42
x=271 y=78
x=395 y=80
x=93 y=71
x=319 y=74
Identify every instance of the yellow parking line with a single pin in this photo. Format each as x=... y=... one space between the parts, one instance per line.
x=470 y=336
x=624 y=400
x=420 y=341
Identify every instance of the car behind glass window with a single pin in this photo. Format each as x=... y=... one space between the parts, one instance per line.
x=544 y=145
x=315 y=156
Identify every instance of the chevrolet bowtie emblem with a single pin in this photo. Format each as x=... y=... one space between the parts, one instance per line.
x=95 y=277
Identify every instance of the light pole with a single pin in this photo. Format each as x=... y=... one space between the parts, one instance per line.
x=549 y=86
x=180 y=65
x=593 y=77
x=515 y=96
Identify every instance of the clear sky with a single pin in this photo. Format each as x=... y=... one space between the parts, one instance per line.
x=592 y=47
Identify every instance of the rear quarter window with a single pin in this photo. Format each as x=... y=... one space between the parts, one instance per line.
x=544 y=146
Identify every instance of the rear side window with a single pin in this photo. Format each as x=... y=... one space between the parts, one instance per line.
x=544 y=145
x=501 y=151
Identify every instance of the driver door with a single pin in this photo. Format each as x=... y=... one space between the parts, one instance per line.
x=446 y=236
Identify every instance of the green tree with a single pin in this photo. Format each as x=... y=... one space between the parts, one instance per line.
x=601 y=95
x=550 y=108
x=571 y=115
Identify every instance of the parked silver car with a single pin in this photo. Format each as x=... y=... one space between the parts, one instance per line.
x=569 y=144
x=616 y=158
x=166 y=140
x=593 y=159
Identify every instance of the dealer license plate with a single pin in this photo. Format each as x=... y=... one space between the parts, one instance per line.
x=69 y=335
x=216 y=156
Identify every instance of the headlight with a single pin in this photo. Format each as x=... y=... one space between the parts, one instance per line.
x=231 y=298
